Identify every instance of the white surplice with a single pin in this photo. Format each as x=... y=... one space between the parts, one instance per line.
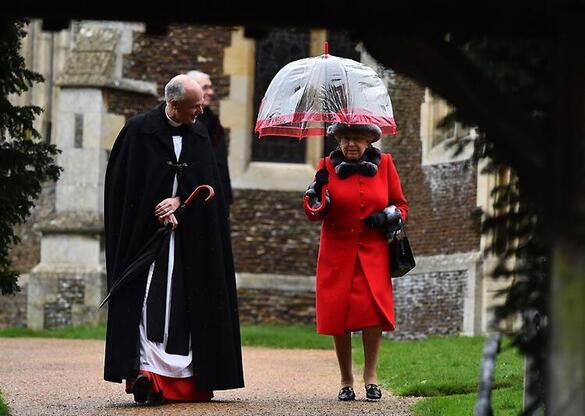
x=153 y=356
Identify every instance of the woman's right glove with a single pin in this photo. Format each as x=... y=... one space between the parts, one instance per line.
x=315 y=198
x=315 y=188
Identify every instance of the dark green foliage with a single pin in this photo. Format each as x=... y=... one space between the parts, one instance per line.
x=521 y=68
x=25 y=161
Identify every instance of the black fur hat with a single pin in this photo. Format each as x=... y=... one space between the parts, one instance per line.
x=370 y=129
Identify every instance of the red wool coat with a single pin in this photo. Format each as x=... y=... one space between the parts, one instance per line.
x=345 y=240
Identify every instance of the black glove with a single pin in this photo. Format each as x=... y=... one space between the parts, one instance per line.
x=321 y=178
x=312 y=194
x=375 y=220
x=393 y=219
x=390 y=219
x=315 y=198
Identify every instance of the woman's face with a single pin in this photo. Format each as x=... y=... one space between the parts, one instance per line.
x=353 y=145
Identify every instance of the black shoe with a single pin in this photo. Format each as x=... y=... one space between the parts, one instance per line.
x=373 y=392
x=155 y=399
x=346 y=394
x=141 y=388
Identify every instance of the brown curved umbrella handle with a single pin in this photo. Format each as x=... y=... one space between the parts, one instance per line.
x=198 y=190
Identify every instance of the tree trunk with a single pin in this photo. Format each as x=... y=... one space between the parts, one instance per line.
x=566 y=392
x=566 y=381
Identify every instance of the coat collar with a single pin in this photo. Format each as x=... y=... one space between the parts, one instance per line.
x=156 y=121
x=157 y=124
x=367 y=165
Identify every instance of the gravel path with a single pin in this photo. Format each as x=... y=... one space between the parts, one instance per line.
x=64 y=377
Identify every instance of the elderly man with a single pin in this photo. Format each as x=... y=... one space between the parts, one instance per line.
x=216 y=132
x=173 y=331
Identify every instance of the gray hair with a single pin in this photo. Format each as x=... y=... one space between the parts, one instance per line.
x=195 y=75
x=174 y=90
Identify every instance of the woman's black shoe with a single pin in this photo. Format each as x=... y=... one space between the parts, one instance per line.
x=373 y=392
x=346 y=394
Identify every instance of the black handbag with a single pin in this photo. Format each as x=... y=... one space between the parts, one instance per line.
x=401 y=257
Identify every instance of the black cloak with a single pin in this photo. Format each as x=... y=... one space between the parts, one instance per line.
x=217 y=136
x=139 y=175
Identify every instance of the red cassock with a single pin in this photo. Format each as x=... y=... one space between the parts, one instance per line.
x=354 y=289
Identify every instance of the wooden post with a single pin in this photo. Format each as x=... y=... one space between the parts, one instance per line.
x=566 y=380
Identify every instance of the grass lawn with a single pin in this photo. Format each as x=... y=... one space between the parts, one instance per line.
x=275 y=336
x=70 y=332
x=505 y=401
x=3 y=407
x=279 y=336
x=444 y=370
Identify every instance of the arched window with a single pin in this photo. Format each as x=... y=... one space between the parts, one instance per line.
x=439 y=134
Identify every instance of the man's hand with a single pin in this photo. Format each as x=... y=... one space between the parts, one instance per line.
x=166 y=207
x=169 y=219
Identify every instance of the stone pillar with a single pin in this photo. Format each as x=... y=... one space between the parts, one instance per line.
x=69 y=282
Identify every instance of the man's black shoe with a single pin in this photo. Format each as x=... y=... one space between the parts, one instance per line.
x=346 y=394
x=141 y=388
x=155 y=399
x=373 y=392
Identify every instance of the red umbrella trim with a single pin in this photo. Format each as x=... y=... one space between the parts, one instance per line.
x=273 y=126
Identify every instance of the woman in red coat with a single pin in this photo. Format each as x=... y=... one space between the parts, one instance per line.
x=358 y=196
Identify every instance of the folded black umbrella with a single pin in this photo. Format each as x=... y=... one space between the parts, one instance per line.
x=149 y=252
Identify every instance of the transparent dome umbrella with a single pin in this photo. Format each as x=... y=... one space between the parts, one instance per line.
x=308 y=93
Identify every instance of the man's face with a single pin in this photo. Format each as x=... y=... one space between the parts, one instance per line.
x=207 y=87
x=187 y=110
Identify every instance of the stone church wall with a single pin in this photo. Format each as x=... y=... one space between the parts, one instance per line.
x=269 y=231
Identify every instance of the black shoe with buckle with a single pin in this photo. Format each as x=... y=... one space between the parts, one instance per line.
x=141 y=388
x=373 y=392
x=346 y=394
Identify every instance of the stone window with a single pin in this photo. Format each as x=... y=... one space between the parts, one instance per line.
x=438 y=138
x=277 y=49
x=78 y=138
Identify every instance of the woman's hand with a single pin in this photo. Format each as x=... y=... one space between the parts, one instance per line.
x=321 y=178
x=315 y=198
x=167 y=207
x=375 y=220
x=390 y=218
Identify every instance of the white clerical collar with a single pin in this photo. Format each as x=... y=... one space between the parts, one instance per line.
x=171 y=121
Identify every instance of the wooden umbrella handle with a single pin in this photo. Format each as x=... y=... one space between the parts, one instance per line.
x=198 y=190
